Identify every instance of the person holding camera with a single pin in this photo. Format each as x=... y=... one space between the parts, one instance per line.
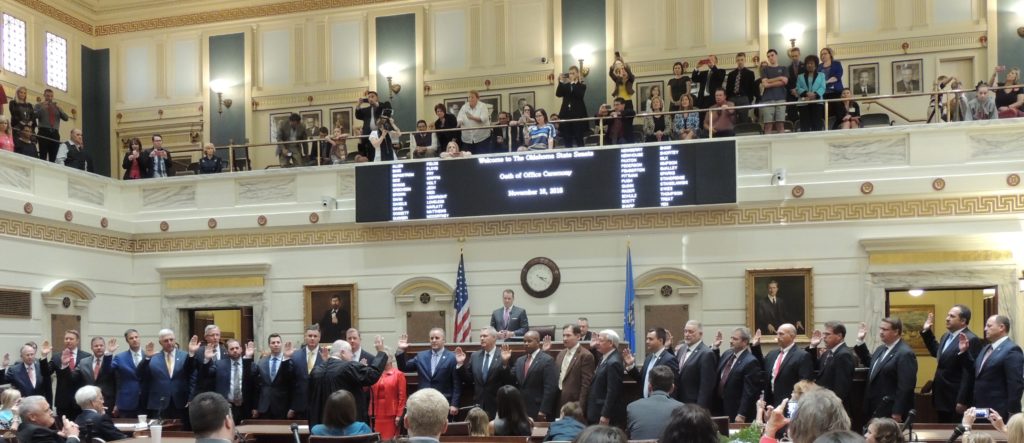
x=475 y=115
x=572 y=90
x=382 y=139
x=369 y=111
x=291 y=136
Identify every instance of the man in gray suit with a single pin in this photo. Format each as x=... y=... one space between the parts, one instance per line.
x=646 y=418
x=510 y=321
x=95 y=370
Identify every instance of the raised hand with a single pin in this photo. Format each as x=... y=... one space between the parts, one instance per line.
x=506 y=353
x=963 y=344
x=193 y=345
x=756 y=341
x=776 y=419
x=929 y=322
x=250 y=349
x=6 y=361
x=460 y=356
x=289 y=350
x=65 y=358
x=403 y=342
x=45 y=349
x=209 y=353
x=70 y=428
x=718 y=340
x=112 y=345
x=627 y=358
x=546 y=343
x=996 y=420
x=862 y=331
x=150 y=349
x=815 y=338
x=378 y=343
x=325 y=353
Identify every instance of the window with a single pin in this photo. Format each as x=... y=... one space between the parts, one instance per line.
x=56 y=62
x=14 y=45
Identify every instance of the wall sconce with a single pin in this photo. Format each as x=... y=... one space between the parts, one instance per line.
x=1020 y=282
x=581 y=52
x=793 y=31
x=389 y=70
x=916 y=292
x=219 y=86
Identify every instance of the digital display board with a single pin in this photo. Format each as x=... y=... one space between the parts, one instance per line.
x=596 y=179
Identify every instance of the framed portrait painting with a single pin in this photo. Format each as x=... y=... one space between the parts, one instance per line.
x=312 y=119
x=341 y=118
x=643 y=93
x=517 y=100
x=453 y=105
x=493 y=103
x=863 y=81
x=333 y=307
x=779 y=296
x=907 y=76
x=913 y=318
x=276 y=121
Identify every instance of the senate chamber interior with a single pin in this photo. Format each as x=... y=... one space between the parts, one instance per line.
x=529 y=220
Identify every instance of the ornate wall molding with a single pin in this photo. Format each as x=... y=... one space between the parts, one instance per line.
x=497 y=82
x=59 y=15
x=915 y=45
x=332 y=97
x=351 y=234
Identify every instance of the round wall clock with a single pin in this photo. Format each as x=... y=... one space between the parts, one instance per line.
x=540 y=277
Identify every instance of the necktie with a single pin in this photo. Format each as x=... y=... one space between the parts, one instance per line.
x=53 y=116
x=725 y=373
x=434 y=358
x=875 y=364
x=506 y=319
x=96 y=369
x=136 y=357
x=778 y=364
x=273 y=368
x=31 y=374
x=236 y=381
x=310 y=361
x=984 y=359
x=526 y=367
x=949 y=340
x=487 y=364
x=736 y=85
x=686 y=355
x=647 y=376
x=169 y=360
x=828 y=359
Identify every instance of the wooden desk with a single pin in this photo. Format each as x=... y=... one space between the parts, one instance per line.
x=272 y=433
x=162 y=440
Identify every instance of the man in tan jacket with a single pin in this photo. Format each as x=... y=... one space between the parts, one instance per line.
x=575 y=366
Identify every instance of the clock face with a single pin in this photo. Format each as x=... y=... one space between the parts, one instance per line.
x=539 y=277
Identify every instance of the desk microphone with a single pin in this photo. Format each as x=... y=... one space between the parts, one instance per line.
x=295 y=432
x=908 y=425
x=957 y=432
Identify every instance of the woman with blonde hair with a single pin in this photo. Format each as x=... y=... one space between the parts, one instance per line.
x=388 y=397
x=802 y=387
x=1008 y=101
x=884 y=430
x=821 y=411
x=9 y=401
x=657 y=127
x=6 y=135
x=22 y=112
x=478 y=423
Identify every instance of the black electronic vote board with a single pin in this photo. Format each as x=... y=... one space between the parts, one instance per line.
x=667 y=175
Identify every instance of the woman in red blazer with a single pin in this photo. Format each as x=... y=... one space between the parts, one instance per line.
x=389 y=399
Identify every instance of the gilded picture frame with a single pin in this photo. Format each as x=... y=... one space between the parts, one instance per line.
x=317 y=309
x=793 y=301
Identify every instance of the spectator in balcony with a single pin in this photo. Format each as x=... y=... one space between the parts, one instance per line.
x=739 y=87
x=132 y=162
x=811 y=86
x=710 y=78
x=48 y=117
x=600 y=126
x=982 y=106
x=452 y=151
x=22 y=112
x=796 y=66
x=572 y=91
x=503 y=135
x=339 y=146
x=833 y=71
x=1008 y=101
x=555 y=119
x=524 y=121
x=720 y=123
x=622 y=80
x=26 y=142
x=209 y=163
x=6 y=135
x=369 y=110
x=475 y=115
x=678 y=86
x=686 y=125
x=774 y=80
x=657 y=127
x=848 y=112
x=72 y=153
x=322 y=152
x=291 y=138
x=157 y=160
x=382 y=139
x=654 y=91
x=445 y=120
x=426 y=142
x=540 y=135
x=620 y=123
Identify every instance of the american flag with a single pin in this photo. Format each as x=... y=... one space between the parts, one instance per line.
x=462 y=323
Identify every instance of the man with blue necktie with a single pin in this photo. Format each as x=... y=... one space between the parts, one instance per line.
x=436 y=367
x=950 y=387
x=169 y=376
x=892 y=373
x=997 y=384
x=128 y=403
x=657 y=355
x=273 y=377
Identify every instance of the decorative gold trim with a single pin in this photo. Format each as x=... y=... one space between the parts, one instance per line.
x=1013 y=179
x=917 y=45
x=59 y=15
x=907 y=258
x=867 y=188
x=333 y=97
x=939 y=184
x=798 y=191
x=498 y=82
x=254 y=281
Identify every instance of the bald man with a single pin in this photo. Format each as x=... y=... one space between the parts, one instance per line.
x=785 y=366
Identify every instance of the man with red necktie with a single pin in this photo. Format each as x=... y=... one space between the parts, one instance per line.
x=64 y=399
x=48 y=118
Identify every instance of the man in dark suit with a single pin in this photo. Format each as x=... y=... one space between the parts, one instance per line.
x=575 y=368
x=739 y=379
x=72 y=153
x=604 y=402
x=340 y=371
x=740 y=88
x=698 y=368
x=95 y=370
x=273 y=375
x=510 y=321
x=483 y=368
x=369 y=111
x=303 y=362
x=786 y=366
x=211 y=340
x=536 y=377
x=997 y=383
x=232 y=377
x=36 y=422
x=835 y=367
x=355 y=339
x=156 y=162
x=620 y=122
x=893 y=371
x=951 y=386
x=584 y=324
x=436 y=368
x=647 y=418
x=710 y=78
x=291 y=139
x=30 y=376
x=657 y=355
x=93 y=421
x=335 y=321
x=129 y=401
x=64 y=398
x=169 y=376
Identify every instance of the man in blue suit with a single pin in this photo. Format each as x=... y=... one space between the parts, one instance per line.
x=997 y=382
x=169 y=376
x=129 y=381
x=436 y=367
x=273 y=376
x=510 y=321
x=739 y=379
x=485 y=370
x=950 y=386
x=232 y=377
x=303 y=362
x=29 y=376
x=657 y=355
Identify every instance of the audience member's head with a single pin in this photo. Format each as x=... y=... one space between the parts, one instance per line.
x=802 y=387
x=1015 y=428
x=820 y=412
x=478 y=422
x=340 y=410
x=601 y=434
x=881 y=430
x=426 y=413
x=840 y=437
x=36 y=410
x=341 y=349
x=979 y=437
x=691 y=423
x=89 y=397
x=511 y=406
x=661 y=379
x=9 y=399
x=210 y=415
x=572 y=410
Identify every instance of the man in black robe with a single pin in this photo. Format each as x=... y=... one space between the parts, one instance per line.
x=340 y=371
